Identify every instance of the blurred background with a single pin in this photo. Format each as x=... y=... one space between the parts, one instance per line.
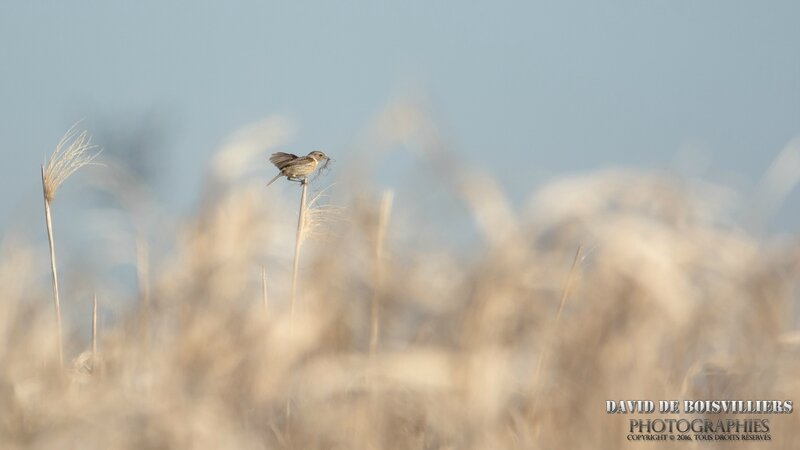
x=534 y=207
x=526 y=90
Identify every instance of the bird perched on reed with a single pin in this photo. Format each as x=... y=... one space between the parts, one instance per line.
x=296 y=168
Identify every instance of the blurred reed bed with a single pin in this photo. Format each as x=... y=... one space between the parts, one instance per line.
x=612 y=285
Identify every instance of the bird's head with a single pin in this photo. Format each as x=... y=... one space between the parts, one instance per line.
x=318 y=156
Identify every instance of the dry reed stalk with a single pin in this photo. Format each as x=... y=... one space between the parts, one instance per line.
x=53 y=270
x=72 y=152
x=143 y=283
x=94 y=326
x=372 y=413
x=293 y=299
x=564 y=294
x=568 y=285
x=143 y=272
x=264 y=287
x=380 y=275
x=298 y=240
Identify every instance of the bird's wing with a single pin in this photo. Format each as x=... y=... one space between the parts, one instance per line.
x=303 y=160
x=280 y=159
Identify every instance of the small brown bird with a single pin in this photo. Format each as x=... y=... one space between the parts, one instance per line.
x=296 y=168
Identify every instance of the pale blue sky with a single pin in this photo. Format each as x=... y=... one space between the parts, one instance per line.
x=561 y=86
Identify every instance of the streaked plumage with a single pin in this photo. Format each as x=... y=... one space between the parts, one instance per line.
x=296 y=168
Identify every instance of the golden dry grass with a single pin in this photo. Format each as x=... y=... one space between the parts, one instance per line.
x=479 y=345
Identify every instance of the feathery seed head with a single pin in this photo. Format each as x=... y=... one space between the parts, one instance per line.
x=73 y=151
x=320 y=219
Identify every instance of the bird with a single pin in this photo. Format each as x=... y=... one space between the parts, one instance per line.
x=296 y=168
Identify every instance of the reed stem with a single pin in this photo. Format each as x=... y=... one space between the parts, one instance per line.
x=53 y=270
x=380 y=275
x=298 y=240
x=94 y=326
x=264 y=287
x=301 y=218
x=564 y=294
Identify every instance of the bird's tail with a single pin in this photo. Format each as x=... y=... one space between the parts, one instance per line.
x=276 y=177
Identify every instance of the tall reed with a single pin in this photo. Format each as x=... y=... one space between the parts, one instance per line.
x=72 y=152
x=563 y=300
x=301 y=218
x=94 y=327
x=380 y=270
x=53 y=269
x=297 y=242
x=264 y=287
